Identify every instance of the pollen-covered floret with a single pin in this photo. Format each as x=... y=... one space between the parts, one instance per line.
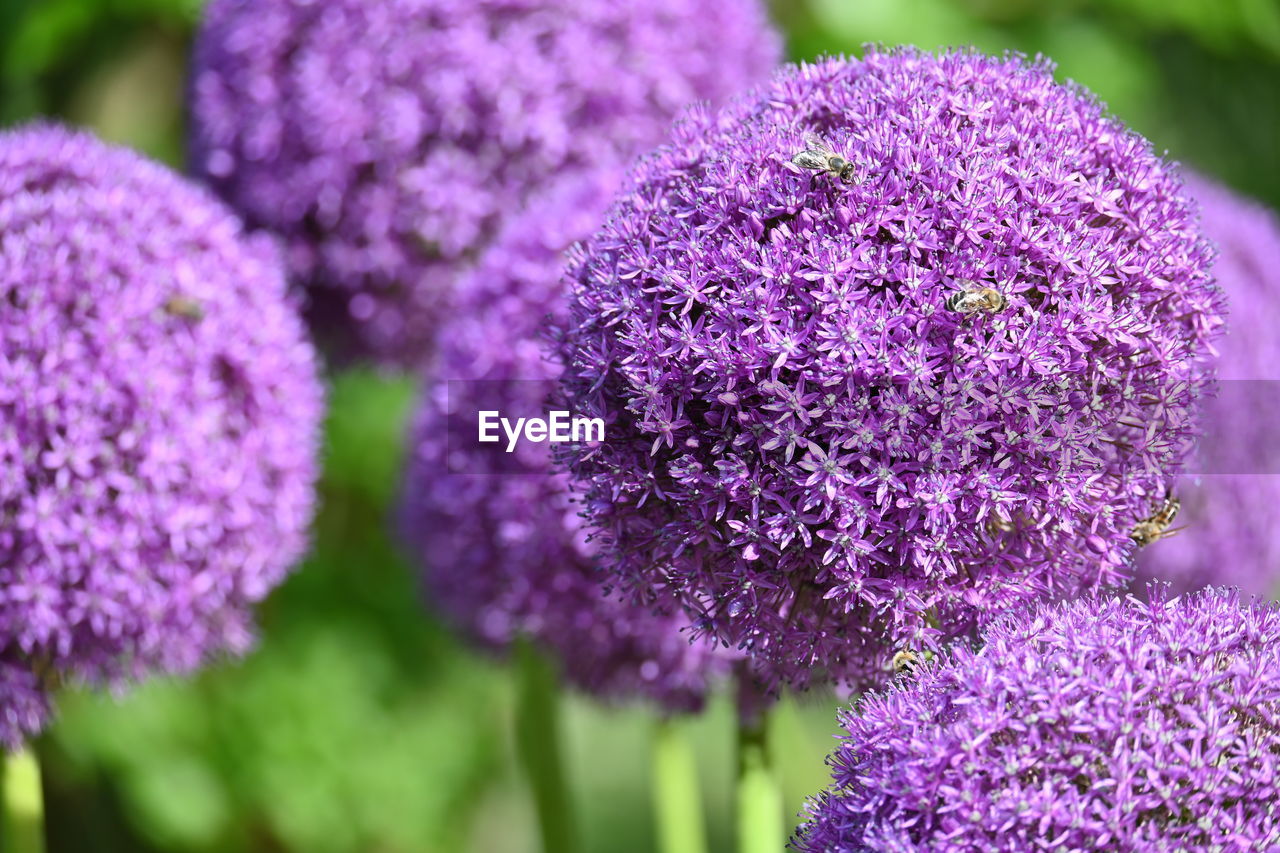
x=825 y=436
x=498 y=533
x=159 y=418
x=387 y=140
x=1104 y=724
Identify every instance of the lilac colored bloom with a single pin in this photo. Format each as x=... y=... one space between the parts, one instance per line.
x=806 y=445
x=499 y=533
x=1229 y=534
x=1104 y=724
x=24 y=705
x=386 y=141
x=159 y=416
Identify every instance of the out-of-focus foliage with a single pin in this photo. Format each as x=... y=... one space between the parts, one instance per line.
x=360 y=724
x=116 y=65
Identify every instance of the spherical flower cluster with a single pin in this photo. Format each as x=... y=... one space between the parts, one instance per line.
x=1226 y=531
x=499 y=535
x=858 y=407
x=386 y=141
x=24 y=705
x=1105 y=724
x=159 y=417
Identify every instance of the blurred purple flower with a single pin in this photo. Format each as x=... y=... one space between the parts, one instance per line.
x=159 y=417
x=806 y=445
x=1104 y=724
x=24 y=704
x=1230 y=536
x=499 y=533
x=386 y=141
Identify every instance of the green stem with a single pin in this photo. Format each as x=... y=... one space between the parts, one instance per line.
x=759 y=806
x=538 y=745
x=676 y=799
x=23 y=804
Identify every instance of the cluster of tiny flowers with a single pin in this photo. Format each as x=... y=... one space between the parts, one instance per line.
x=24 y=704
x=501 y=543
x=1105 y=724
x=386 y=141
x=1225 y=531
x=810 y=441
x=159 y=418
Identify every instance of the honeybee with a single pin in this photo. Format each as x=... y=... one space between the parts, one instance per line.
x=996 y=524
x=1156 y=526
x=185 y=307
x=46 y=674
x=904 y=663
x=817 y=156
x=973 y=297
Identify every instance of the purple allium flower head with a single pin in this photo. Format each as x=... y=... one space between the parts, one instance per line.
x=805 y=442
x=1229 y=535
x=1103 y=724
x=159 y=417
x=386 y=141
x=500 y=537
x=24 y=705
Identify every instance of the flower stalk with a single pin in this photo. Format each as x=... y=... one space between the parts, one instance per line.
x=539 y=749
x=23 y=827
x=759 y=797
x=677 y=800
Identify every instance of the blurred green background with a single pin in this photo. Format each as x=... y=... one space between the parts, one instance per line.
x=360 y=724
